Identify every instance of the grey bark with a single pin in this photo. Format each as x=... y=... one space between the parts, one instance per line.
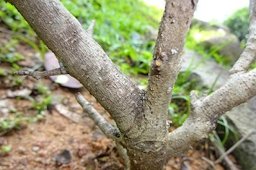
x=141 y=118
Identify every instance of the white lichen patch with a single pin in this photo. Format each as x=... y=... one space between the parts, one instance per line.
x=174 y=51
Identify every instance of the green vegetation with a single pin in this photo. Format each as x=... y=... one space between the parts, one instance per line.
x=9 y=55
x=44 y=98
x=5 y=149
x=196 y=38
x=12 y=19
x=17 y=121
x=180 y=109
x=238 y=23
x=225 y=130
x=121 y=29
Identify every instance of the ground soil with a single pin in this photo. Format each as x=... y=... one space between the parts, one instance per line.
x=67 y=143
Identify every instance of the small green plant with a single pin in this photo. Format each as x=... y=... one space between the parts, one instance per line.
x=15 y=81
x=17 y=121
x=13 y=122
x=42 y=89
x=2 y=72
x=42 y=103
x=5 y=149
x=44 y=98
x=9 y=55
x=224 y=129
x=180 y=109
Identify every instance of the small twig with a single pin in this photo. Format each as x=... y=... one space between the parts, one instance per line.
x=225 y=157
x=123 y=153
x=208 y=161
x=218 y=145
x=234 y=147
x=185 y=164
x=100 y=121
x=91 y=28
x=41 y=74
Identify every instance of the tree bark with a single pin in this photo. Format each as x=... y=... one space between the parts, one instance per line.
x=148 y=160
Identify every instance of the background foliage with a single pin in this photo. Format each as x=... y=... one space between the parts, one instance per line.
x=238 y=23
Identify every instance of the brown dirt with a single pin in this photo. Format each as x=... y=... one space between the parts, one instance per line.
x=36 y=146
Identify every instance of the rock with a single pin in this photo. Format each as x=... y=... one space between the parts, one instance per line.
x=226 y=44
x=64 y=157
x=209 y=73
x=243 y=117
x=24 y=93
x=218 y=38
x=21 y=150
x=42 y=153
x=5 y=108
x=50 y=63
x=82 y=151
x=35 y=148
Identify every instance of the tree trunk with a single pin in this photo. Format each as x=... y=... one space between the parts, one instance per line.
x=142 y=160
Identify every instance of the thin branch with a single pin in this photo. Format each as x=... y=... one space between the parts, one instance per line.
x=229 y=163
x=202 y=120
x=224 y=154
x=218 y=145
x=249 y=53
x=210 y=162
x=41 y=74
x=123 y=153
x=100 y=121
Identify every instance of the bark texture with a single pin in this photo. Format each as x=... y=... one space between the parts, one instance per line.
x=141 y=117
